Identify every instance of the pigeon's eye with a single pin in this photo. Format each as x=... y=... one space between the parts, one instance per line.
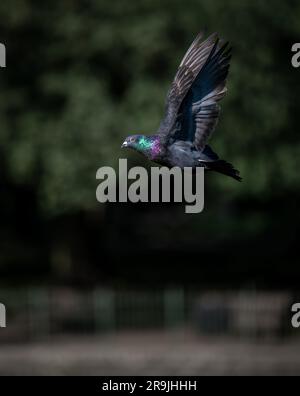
x=131 y=139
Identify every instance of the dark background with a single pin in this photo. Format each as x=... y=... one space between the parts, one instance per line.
x=80 y=77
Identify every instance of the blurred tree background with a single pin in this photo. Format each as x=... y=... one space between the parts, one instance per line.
x=81 y=75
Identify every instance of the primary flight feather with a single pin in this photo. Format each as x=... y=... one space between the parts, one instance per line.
x=192 y=111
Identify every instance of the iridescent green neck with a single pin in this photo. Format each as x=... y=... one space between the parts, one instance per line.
x=145 y=143
x=149 y=145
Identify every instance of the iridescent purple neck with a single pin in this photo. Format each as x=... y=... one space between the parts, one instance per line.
x=156 y=148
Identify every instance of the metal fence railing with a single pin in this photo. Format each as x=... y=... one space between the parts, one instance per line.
x=40 y=312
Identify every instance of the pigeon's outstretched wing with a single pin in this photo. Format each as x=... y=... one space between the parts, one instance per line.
x=189 y=69
x=199 y=111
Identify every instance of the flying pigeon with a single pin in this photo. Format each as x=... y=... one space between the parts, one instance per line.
x=192 y=111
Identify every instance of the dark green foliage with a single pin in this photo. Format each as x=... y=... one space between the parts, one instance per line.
x=82 y=75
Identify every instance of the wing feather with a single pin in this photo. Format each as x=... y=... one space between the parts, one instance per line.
x=189 y=68
x=199 y=111
x=206 y=110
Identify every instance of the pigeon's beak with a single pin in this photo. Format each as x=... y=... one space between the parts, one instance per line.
x=125 y=144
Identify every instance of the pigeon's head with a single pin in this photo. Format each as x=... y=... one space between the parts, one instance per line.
x=147 y=145
x=133 y=142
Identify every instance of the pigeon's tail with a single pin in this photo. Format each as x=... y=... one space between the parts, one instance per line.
x=225 y=168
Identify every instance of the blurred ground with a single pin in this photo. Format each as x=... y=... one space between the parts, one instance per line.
x=151 y=353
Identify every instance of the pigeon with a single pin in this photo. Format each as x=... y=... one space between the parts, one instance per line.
x=192 y=111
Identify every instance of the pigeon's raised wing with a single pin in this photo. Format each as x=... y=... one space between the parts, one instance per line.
x=189 y=68
x=199 y=111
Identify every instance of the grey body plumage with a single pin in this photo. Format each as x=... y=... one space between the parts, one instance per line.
x=192 y=111
x=184 y=154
